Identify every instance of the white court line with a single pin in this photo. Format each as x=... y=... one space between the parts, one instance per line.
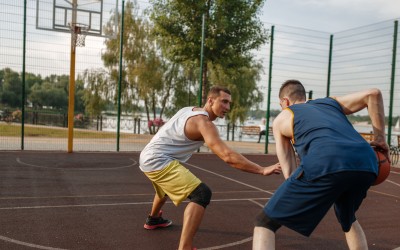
x=140 y=203
x=70 y=196
x=385 y=194
x=118 y=204
x=102 y=195
x=222 y=176
x=27 y=244
x=235 y=243
x=394 y=183
x=121 y=204
x=79 y=205
x=259 y=189
x=393 y=172
x=229 y=244
x=249 y=199
x=79 y=169
x=257 y=203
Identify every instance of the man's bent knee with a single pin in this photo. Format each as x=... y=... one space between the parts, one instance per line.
x=262 y=220
x=201 y=195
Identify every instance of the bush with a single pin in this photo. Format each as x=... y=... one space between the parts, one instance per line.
x=17 y=115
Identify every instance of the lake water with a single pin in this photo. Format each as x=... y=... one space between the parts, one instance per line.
x=130 y=125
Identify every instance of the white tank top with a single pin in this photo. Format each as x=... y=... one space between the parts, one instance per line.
x=170 y=143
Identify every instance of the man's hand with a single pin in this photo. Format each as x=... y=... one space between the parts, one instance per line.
x=382 y=146
x=273 y=169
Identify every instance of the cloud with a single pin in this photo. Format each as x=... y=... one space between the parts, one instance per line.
x=330 y=15
x=389 y=8
x=384 y=9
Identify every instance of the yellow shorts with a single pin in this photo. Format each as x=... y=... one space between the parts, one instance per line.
x=175 y=180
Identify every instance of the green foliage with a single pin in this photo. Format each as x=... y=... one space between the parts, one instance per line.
x=259 y=113
x=13 y=130
x=160 y=63
x=148 y=78
x=131 y=50
x=30 y=80
x=95 y=93
x=242 y=83
x=359 y=118
x=47 y=95
x=232 y=31
x=184 y=92
x=50 y=92
x=10 y=89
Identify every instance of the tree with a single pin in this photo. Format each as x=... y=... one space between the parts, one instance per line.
x=131 y=53
x=30 y=80
x=184 y=93
x=148 y=78
x=95 y=94
x=232 y=31
x=52 y=92
x=48 y=95
x=45 y=95
x=242 y=83
x=11 y=88
x=155 y=84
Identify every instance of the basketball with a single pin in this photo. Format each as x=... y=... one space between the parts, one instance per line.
x=383 y=167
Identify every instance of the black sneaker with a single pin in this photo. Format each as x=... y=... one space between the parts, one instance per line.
x=156 y=222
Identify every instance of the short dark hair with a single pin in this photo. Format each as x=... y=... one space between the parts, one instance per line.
x=293 y=89
x=214 y=91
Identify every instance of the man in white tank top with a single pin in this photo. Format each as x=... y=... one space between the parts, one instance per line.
x=174 y=143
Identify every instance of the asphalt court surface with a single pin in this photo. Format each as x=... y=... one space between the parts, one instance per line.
x=56 y=200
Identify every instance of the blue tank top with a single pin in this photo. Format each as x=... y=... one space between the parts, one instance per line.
x=326 y=141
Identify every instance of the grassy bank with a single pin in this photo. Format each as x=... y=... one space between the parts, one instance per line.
x=14 y=130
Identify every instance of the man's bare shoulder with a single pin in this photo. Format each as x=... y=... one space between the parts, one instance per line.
x=199 y=120
x=197 y=109
x=283 y=123
x=283 y=115
x=197 y=125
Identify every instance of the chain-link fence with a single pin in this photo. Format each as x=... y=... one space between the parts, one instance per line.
x=327 y=64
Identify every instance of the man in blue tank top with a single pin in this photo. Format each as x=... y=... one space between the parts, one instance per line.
x=337 y=166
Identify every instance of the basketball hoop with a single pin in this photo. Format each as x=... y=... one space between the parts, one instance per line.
x=79 y=32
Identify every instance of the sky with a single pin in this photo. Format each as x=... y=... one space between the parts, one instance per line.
x=329 y=15
x=325 y=15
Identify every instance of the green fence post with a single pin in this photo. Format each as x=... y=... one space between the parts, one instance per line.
x=271 y=50
x=200 y=94
x=23 y=81
x=392 y=78
x=328 y=87
x=310 y=93
x=121 y=45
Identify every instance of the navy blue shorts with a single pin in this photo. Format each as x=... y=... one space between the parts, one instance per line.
x=300 y=205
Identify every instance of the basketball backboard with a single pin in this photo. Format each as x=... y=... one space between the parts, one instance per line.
x=59 y=15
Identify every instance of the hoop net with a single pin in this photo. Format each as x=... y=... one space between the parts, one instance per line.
x=79 y=32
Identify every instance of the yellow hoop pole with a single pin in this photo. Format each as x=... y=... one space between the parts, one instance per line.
x=71 y=101
x=71 y=93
